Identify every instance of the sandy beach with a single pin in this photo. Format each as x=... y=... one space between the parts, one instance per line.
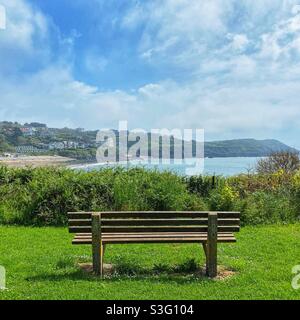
x=35 y=161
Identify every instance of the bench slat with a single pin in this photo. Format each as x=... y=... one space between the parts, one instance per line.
x=157 y=234
x=172 y=239
x=152 y=214
x=149 y=234
x=153 y=222
x=87 y=229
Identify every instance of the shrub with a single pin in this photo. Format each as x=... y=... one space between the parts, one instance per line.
x=296 y=192
x=203 y=185
x=223 y=198
x=248 y=184
x=267 y=208
x=43 y=196
x=288 y=162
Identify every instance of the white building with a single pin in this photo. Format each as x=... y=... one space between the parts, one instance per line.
x=56 y=146
x=27 y=149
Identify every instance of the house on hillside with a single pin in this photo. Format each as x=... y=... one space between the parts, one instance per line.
x=28 y=149
x=56 y=146
x=28 y=131
x=63 y=145
x=71 y=144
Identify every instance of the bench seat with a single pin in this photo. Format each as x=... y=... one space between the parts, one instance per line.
x=147 y=237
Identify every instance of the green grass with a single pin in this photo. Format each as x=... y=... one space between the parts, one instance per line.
x=42 y=264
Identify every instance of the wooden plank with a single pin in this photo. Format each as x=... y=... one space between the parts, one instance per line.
x=165 y=214
x=156 y=235
x=153 y=240
x=152 y=214
x=166 y=222
x=86 y=229
x=96 y=243
x=153 y=222
x=212 y=245
x=150 y=237
x=141 y=234
x=229 y=237
x=189 y=228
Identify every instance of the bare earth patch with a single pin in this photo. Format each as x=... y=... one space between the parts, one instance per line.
x=108 y=269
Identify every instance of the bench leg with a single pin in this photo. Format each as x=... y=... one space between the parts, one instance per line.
x=96 y=259
x=98 y=255
x=101 y=260
x=204 y=245
x=211 y=260
x=212 y=245
x=96 y=244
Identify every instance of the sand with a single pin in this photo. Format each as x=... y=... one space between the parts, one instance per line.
x=35 y=161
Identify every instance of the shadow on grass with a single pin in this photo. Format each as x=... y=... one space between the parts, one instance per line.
x=68 y=269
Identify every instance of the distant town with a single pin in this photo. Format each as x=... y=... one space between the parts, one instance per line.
x=37 y=139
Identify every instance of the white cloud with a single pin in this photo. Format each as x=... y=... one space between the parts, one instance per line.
x=25 y=39
x=31 y=40
x=190 y=34
x=296 y=9
x=239 y=42
x=95 y=63
x=24 y=25
x=61 y=100
x=282 y=40
x=257 y=110
x=2 y=17
x=243 y=70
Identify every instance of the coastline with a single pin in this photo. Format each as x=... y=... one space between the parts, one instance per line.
x=35 y=161
x=212 y=166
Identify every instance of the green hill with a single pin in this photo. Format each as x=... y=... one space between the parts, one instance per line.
x=244 y=148
x=81 y=144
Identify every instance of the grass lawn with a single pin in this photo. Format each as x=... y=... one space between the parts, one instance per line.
x=41 y=263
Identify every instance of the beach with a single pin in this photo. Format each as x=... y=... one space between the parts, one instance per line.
x=35 y=161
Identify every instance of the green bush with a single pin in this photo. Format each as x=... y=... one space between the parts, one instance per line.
x=203 y=185
x=223 y=198
x=296 y=192
x=267 y=208
x=43 y=196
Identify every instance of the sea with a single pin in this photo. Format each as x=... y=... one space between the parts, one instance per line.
x=208 y=166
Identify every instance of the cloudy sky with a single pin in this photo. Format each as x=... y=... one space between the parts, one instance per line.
x=231 y=67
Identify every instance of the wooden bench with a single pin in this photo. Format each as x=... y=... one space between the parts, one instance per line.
x=103 y=228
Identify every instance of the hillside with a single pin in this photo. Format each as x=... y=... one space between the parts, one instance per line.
x=244 y=148
x=80 y=144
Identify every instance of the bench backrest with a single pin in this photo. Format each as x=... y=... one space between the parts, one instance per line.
x=153 y=221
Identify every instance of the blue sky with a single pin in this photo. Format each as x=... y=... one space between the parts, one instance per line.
x=231 y=67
